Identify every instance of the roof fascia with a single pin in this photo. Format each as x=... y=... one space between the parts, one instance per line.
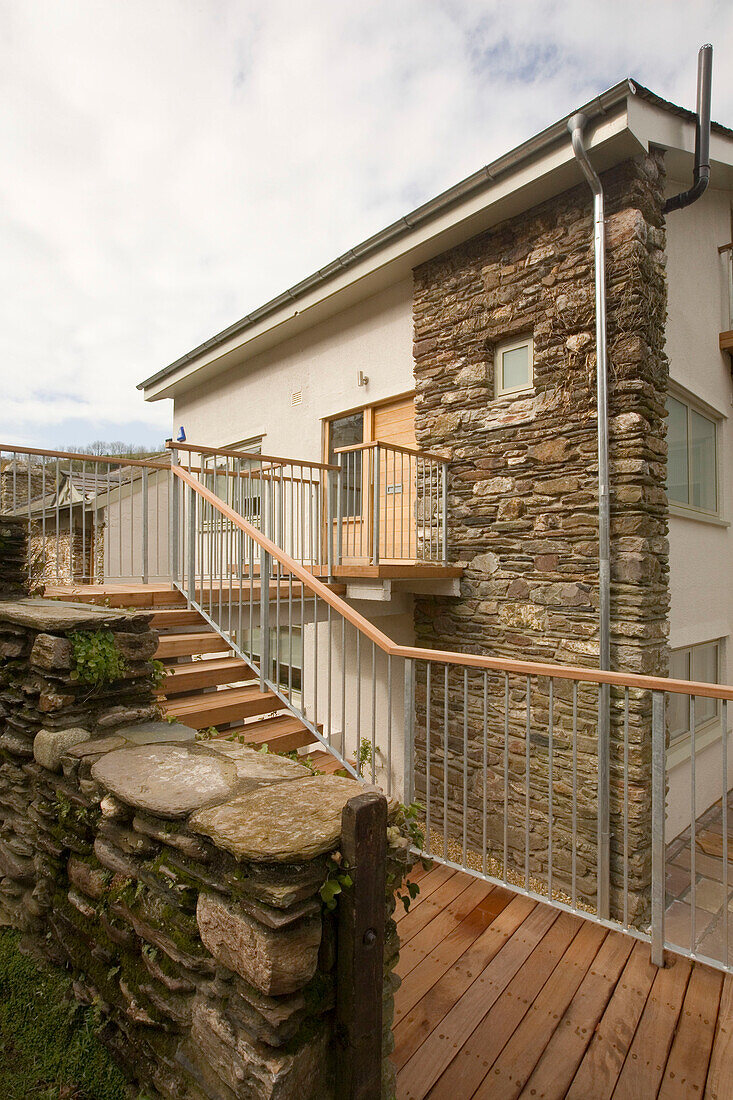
x=533 y=172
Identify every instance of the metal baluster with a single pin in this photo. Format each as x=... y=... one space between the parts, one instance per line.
x=659 y=779
x=445 y=764
x=56 y=510
x=724 y=747
x=376 y=497
x=409 y=710
x=484 y=776
x=465 y=763
x=550 y=784
x=389 y=724
x=526 y=780
x=444 y=468
x=428 y=757
x=693 y=829
x=374 y=713
x=145 y=531
x=506 y=768
x=626 y=807
x=330 y=676
x=358 y=694
x=574 y=804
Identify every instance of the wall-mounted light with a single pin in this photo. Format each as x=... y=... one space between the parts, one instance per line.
x=362 y=379
x=181 y=437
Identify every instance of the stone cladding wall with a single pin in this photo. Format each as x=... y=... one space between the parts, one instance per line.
x=523 y=512
x=178 y=881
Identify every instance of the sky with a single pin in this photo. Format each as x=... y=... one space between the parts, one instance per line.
x=169 y=166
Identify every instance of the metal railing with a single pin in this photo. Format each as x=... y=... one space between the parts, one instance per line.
x=91 y=518
x=503 y=755
x=391 y=505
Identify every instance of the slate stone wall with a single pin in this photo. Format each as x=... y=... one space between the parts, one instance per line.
x=178 y=881
x=523 y=513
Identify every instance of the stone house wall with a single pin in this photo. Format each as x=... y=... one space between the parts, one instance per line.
x=523 y=510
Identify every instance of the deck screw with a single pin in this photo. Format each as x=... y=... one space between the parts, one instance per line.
x=370 y=937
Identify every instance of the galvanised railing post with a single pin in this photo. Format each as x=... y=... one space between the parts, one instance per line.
x=408 y=722
x=659 y=784
x=145 y=532
x=603 y=869
x=265 y=565
x=444 y=510
x=191 y=546
x=329 y=522
x=175 y=497
x=375 y=506
x=340 y=511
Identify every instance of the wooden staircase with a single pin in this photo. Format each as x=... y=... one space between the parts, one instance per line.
x=206 y=685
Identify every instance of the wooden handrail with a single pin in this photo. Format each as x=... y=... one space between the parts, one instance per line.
x=200 y=449
x=725 y=248
x=73 y=456
x=392 y=447
x=473 y=660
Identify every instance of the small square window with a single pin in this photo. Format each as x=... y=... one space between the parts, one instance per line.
x=513 y=366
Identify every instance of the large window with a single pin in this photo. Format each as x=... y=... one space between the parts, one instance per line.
x=513 y=366
x=692 y=459
x=700 y=663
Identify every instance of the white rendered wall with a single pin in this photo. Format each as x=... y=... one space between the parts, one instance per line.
x=701 y=553
x=374 y=336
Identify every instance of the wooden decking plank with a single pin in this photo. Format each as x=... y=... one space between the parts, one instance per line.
x=600 y=1068
x=429 y=993
x=423 y=942
x=433 y=879
x=644 y=1066
x=420 y=916
x=468 y=943
x=437 y=1050
x=514 y=1065
x=720 y=1071
x=472 y=1062
x=556 y=1068
x=687 y=1065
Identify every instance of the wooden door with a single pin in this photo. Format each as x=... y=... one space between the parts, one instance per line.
x=395 y=423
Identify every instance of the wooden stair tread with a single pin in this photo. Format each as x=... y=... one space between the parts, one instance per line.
x=140 y=596
x=167 y=617
x=188 y=645
x=207 y=673
x=281 y=734
x=215 y=708
x=324 y=762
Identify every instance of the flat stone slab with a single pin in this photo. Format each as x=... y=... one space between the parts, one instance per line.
x=50 y=745
x=257 y=768
x=49 y=616
x=150 y=733
x=169 y=780
x=285 y=822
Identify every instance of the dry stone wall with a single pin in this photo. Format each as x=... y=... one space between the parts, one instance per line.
x=523 y=511
x=178 y=881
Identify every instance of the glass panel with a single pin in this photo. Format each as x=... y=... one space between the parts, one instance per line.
x=679 y=705
x=515 y=368
x=285 y=656
x=705 y=669
x=345 y=432
x=677 y=472
x=703 y=487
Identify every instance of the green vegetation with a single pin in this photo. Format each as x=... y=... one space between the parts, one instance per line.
x=49 y=1048
x=95 y=658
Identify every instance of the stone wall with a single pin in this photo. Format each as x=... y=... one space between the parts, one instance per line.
x=178 y=881
x=523 y=507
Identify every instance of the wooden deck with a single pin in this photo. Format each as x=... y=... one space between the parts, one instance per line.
x=502 y=997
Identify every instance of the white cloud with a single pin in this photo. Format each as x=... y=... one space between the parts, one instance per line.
x=168 y=166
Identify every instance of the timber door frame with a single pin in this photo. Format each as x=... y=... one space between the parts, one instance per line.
x=366 y=518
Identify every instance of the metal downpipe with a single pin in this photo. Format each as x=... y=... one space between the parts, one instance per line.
x=576 y=125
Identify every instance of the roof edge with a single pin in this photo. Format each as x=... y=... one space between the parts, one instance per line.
x=597 y=107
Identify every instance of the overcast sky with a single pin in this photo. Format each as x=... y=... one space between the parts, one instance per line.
x=169 y=166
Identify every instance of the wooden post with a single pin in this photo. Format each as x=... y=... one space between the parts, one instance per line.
x=360 y=967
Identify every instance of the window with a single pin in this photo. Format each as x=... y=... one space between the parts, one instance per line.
x=692 y=459
x=696 y=662
x=513 y=365
x=345 y=431
x=286 y=666
x=237 y=483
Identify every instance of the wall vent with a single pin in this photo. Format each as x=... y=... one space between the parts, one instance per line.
x=296 y=397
